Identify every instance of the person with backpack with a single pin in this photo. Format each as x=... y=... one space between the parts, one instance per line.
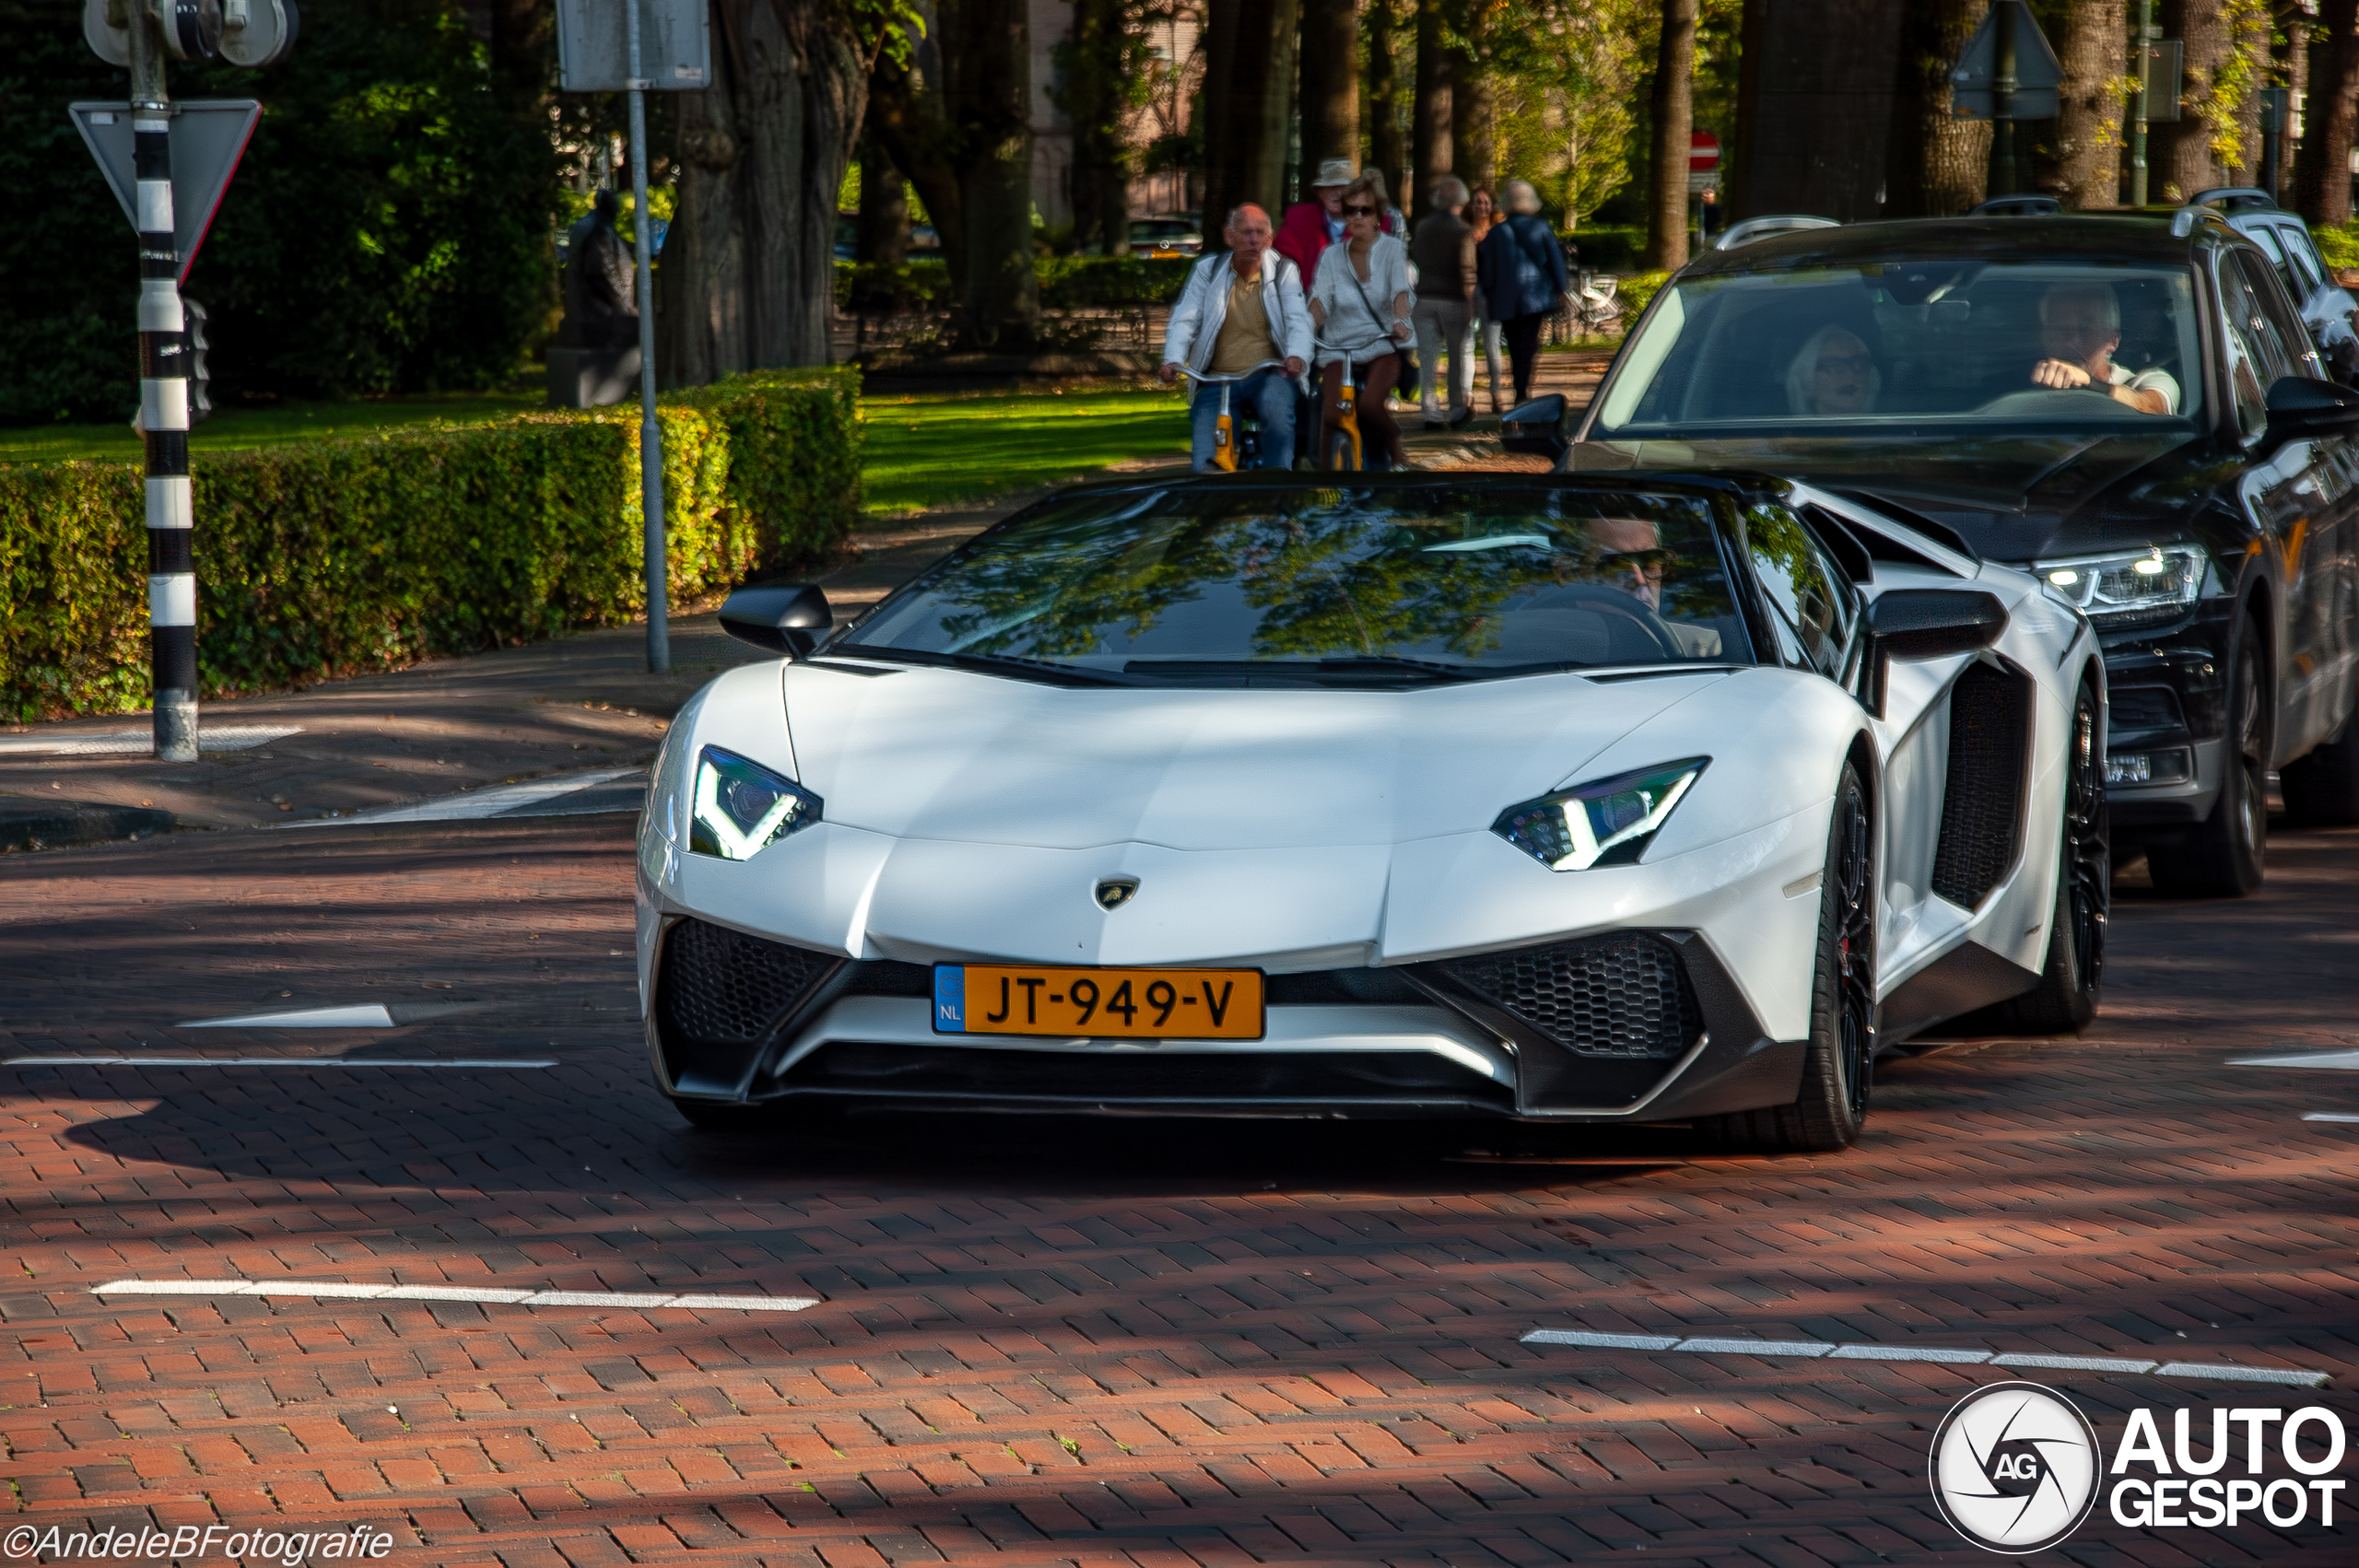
x=1521 y=270
x=1240 y=308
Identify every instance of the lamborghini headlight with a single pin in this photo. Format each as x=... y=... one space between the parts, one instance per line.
x=739 y=807
x=1608 y=823
x=2133 y=588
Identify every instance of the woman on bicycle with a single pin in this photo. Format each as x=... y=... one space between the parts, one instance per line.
x=1360 y=304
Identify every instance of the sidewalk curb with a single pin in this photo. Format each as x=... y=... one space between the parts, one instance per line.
x=27 y=822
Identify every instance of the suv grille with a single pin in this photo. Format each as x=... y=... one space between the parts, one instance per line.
x=722 y=988
x=1621 y=996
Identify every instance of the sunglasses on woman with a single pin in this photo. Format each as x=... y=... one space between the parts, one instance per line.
x=1350 y=211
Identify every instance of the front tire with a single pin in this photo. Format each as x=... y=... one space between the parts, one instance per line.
x=1837 y=1070
x=2225 y=855
x=2065 y=1000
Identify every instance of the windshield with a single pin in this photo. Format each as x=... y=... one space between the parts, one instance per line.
x=1912 y=342
x=1335 y=587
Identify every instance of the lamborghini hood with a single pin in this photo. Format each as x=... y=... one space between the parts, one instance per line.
x=930 y=754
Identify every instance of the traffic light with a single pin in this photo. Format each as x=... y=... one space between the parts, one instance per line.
x=200 y=379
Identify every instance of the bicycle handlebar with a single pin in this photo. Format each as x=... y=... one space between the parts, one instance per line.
x=1238 y=376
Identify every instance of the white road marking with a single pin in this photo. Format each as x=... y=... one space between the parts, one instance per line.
x=2329 y=1116
x=131 y=742
x=274 y=1062
x=2347 y=1061
x=327 y=1289
x=479 y=803
x=2292 y=1377
x=359 y=1015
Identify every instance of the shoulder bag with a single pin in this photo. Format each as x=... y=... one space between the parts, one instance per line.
x=1407 y=387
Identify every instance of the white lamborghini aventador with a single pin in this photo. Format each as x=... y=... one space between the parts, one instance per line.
x=1627 y=800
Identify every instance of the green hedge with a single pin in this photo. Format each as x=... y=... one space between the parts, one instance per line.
x=333 y=557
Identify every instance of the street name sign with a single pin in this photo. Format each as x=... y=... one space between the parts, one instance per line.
x=594 y=46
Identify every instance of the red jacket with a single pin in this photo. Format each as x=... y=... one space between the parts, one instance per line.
x=1303 y=237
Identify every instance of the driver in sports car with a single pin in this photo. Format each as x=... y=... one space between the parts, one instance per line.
x=1629 y=556
x=2080 y=326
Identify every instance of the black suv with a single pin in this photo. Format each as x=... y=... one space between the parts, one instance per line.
x=2128 y=406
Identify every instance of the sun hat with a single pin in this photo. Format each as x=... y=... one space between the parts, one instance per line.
x=1336 y=171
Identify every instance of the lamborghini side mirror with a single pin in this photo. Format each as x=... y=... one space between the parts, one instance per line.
x=1927 y=623
x=786 y=617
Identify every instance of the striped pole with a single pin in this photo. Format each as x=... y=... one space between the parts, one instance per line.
x=163 y=406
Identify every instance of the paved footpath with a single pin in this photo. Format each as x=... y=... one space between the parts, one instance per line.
x=1110 y=1345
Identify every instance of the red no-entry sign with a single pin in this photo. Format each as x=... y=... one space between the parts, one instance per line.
x=1703 y=152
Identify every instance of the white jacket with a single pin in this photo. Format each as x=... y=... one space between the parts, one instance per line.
x=1203 y=305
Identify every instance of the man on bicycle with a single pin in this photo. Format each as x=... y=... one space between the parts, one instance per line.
x=1242 y=314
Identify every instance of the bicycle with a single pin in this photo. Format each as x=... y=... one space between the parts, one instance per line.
x=1347 y=393
x=1231 y=446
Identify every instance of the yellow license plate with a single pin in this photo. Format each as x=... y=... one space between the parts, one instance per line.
x=1122 y=1004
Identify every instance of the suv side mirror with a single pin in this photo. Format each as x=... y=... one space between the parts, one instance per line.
x=786 y=617
x=2300 y=406
x=1927 y=623
x=1537 y=426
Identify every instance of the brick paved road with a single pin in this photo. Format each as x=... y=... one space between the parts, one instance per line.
x=1104 y=1344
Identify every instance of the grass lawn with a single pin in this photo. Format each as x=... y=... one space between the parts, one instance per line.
x=925 y=451
x=932 y=450
x=263 y=425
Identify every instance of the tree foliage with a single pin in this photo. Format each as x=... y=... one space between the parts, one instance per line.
x=387 y=231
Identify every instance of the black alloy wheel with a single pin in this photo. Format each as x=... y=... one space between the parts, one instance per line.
x=2225 y=855
x=2065 y=1000
x=1840 y=1064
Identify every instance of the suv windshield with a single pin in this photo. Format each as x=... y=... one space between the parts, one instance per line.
x=1911 y=341
x=1382 y=586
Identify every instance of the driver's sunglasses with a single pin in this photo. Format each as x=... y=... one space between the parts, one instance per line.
x=1845 y=364
x=1352 y=211
x=1647 y=563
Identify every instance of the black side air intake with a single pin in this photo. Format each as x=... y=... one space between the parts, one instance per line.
x=1621 y=996
x=720 y=995
x=1982 y=804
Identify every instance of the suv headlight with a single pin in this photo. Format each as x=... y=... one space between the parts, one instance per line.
x=1608 y=823
x=2133 y=588
x=739 y=807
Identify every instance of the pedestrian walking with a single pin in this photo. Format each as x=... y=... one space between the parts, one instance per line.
x=1444 y=251
x=1482 y=214
x=1241 y=308
x=1522 y=276
x=1361 y=301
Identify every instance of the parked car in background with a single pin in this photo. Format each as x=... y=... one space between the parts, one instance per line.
x=1180 y=235
x=2201 y=510
x=2327 y=307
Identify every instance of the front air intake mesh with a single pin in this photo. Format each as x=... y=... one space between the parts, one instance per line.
x=723 y=988
x=1620 y=996
x=1982 y=802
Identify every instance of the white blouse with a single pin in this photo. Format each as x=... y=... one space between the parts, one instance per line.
x=1338 y=290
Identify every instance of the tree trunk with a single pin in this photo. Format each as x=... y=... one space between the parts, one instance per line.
x=1092 y=97
x=2178 y=156
x=987 y=92
x=2322 y=169
x=1938 y=165
x=884 y=225
x=907 y=119
x=1473 y=122
x=1673 y=121
x=1388 y=141
x=1331 y=82
x=748 y=275
x=2094 y=51
x=1432 y=118
x=1248 y=93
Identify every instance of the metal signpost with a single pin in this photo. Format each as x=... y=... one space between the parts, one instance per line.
x=169 y=210
x=2007 y=73
x=638 y=46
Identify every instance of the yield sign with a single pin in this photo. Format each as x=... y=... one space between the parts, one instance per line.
x=208 y=137
x=1973 y=84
